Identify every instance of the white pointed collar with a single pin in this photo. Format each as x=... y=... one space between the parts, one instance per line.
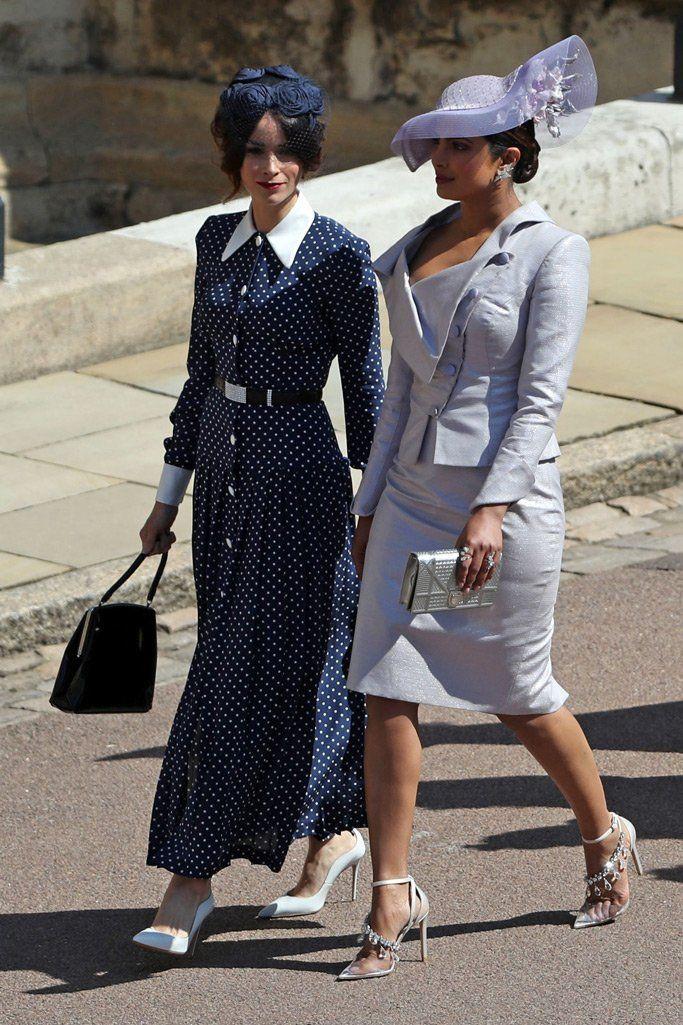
x=285 y=238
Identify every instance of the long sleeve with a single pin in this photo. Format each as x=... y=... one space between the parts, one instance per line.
x=557 y=311
x=354 y=314
x=181 y=446
x=392 y=421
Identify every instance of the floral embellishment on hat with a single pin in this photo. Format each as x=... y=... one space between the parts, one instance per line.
x=248 y=97
x=545 y=98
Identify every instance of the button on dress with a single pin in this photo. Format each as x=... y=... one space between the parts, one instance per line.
x=267 y=742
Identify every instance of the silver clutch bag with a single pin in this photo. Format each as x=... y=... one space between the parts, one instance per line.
x=430 y=585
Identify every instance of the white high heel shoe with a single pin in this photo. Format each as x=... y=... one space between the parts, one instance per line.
x=165 y=943
x=389 y=948
x=289 y=907
x=601 y=883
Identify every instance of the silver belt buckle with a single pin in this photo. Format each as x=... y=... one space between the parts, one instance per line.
x=269 y=397
x=236 y=392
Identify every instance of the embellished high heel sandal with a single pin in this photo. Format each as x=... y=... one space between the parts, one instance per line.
x=389 y=948
x=600 y=884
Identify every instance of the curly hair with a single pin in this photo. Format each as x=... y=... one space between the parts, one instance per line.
x=240 y=109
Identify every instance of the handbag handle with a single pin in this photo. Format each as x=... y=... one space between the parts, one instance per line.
x=129 y=572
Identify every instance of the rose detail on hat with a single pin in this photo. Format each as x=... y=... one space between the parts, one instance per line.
x=295 y=98
x=248 y=74
x=284 y=71
x=245 y=102
x=247 y=98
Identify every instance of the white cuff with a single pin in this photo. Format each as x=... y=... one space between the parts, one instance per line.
x=173 y=484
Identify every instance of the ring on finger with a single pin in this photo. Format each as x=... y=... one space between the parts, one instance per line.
x=490 y=561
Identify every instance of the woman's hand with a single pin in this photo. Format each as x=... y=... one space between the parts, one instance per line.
x=360 y=543
x=483 y=534
x=156 y=534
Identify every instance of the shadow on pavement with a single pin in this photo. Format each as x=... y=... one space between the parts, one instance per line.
x=649 y=801
x=641 y=728
x=673 y=874
x=87 y=950
x=141 y=752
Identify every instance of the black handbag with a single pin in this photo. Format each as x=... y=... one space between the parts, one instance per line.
x=110 y=662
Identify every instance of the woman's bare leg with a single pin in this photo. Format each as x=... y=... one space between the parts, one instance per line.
x=179 y=905
x=393 y=754
x=319 y=859
x=559 y=745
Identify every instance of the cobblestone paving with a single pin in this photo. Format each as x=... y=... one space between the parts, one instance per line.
x=601 y=536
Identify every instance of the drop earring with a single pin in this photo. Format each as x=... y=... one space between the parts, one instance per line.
x=503 y=172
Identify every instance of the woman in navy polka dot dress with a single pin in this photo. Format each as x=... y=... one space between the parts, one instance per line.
x=267 y=742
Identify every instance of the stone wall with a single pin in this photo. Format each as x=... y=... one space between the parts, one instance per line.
x=359 y=49
x=128 y=290
x=105 y=104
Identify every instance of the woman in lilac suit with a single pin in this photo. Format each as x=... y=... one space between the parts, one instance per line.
x=486 y=301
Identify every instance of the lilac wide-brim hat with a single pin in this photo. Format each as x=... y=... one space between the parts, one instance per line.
x=556 y=88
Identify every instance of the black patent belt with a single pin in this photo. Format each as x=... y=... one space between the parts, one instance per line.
x=550 y=460
x=263 y=396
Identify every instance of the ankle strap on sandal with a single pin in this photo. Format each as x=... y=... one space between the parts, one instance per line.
x=388 y=882
x=603 y=836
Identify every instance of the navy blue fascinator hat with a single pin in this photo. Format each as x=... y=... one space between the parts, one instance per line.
x=296 y=102
x=277 y=88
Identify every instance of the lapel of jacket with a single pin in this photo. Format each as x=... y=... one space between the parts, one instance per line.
x=421 y=343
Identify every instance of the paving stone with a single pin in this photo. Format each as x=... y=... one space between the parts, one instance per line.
x=672 y=529
x=672 y=496
x=17 y=663
x=595 y=512
x=592 y=532
x=35 y=702
x=51 y=651
x=17 y=697
x=48 y=670
x=586 y=415
x=637 y=505
x=673 y=544
x=674 y=515
x=161 y=370
x=599 y=558
x=180 y=619
x=169 y=669
x=672 y=425
x=639 y=269
x=596 y=532
x=20 y=569
x=131 y=452
x=86 y=529
x=19 y=682
x=53 y=407
x=176 y=641
x=28 y=481
x=671 y=562
x=631 y=355
x=636 y=524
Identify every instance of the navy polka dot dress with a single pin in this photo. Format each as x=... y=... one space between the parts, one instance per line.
x=267 y=742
